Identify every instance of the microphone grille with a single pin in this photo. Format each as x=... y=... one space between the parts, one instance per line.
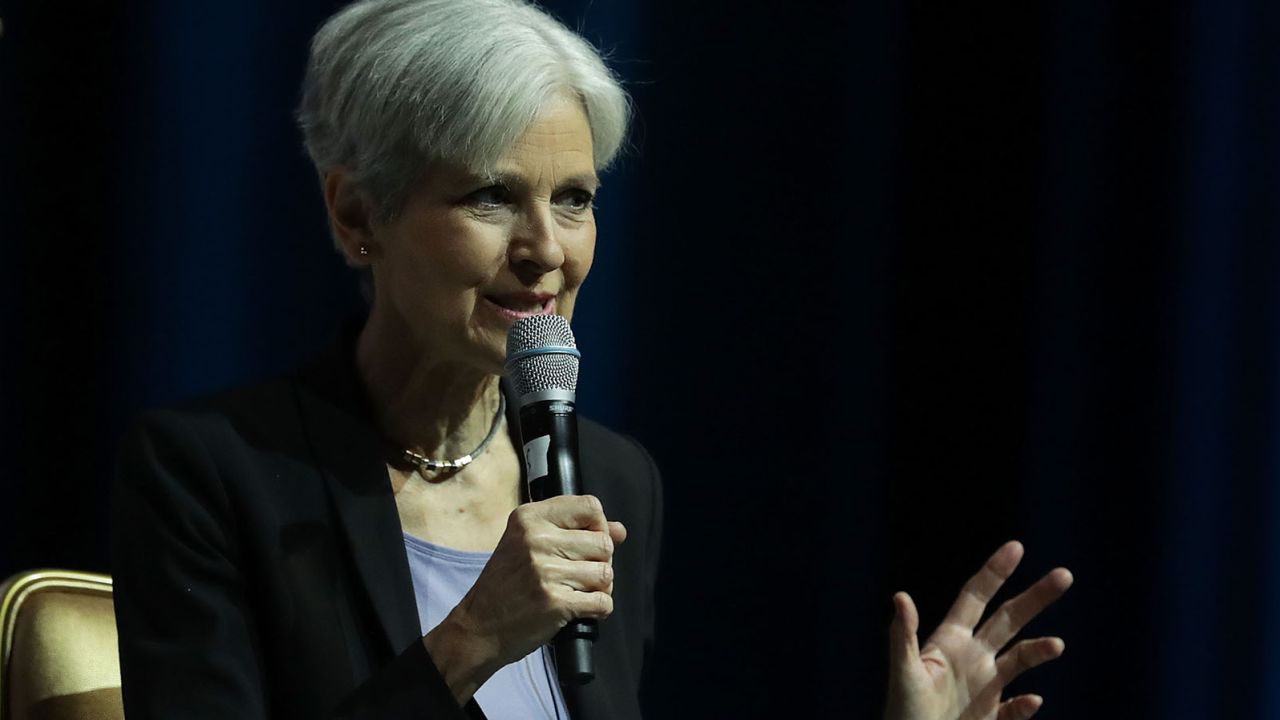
x=531 y=371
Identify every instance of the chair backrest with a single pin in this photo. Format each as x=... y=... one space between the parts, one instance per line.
x=58 y=654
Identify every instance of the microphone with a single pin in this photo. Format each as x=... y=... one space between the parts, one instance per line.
x=542 y=366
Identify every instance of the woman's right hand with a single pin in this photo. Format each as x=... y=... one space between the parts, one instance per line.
x=554 y=563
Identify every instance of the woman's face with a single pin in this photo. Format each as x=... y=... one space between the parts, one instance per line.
x=470 y=255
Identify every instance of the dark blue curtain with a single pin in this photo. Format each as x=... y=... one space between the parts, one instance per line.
x=923 y=277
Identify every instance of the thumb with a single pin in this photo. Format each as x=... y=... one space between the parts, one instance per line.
x=617 y=531
x=904 y=647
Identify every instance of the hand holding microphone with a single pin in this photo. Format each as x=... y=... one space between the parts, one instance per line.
x=551 y=574
x=542 y=364
x=554 y=564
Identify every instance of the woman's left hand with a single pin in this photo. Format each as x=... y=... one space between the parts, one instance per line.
x=960 y=673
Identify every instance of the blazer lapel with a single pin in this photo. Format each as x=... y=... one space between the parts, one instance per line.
x=351 y=459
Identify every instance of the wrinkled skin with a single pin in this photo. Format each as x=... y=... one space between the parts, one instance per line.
x=960 y=672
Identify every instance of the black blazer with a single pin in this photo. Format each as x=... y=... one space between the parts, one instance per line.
x=260 y=569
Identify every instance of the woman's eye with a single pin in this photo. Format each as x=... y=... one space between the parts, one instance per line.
x=577 y=200
x=493 y=196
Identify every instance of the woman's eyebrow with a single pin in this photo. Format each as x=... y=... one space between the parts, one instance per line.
x=587 y=181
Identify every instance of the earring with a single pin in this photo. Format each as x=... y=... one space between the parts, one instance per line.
x=364 y=250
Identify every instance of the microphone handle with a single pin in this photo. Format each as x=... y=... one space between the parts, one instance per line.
x=549 y=431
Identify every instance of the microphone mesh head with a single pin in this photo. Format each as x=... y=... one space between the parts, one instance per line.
x=542 y=371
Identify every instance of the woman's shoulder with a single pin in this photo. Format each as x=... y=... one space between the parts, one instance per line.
x=246 y=450
x=597 y=440
x=256 y=438
x=617 y=468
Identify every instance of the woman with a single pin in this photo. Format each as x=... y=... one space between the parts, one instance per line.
x=291 y=550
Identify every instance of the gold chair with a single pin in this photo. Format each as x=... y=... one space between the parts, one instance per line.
x=58 y=655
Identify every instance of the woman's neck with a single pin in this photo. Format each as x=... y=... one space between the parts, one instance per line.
x=437 y=408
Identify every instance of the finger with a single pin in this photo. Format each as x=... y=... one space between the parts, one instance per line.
x=618 y=532
x=582 y=576
x=572 y=512
x=576 y=544
x=904 y=645
x=1015 y=613
x=588 y=605
x=967 y=610
x=1020 y=707
x=1027 y=654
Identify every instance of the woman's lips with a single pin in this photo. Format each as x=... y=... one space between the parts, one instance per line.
x=514 y=307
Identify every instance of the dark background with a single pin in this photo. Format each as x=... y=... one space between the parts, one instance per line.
x=925 y=276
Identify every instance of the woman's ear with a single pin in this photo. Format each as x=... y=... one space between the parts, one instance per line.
x=350 y=216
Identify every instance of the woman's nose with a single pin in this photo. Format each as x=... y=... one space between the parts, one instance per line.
x=536 y=244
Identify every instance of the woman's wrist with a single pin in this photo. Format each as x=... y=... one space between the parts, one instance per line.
x=459 y=656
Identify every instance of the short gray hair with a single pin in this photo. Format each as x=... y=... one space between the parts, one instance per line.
x=394 y=85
